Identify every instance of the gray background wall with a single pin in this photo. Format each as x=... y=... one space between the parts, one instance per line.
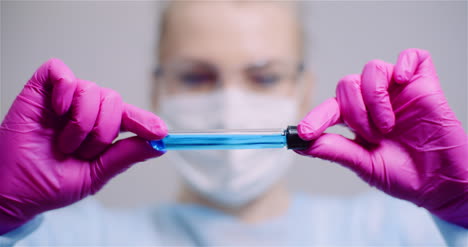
x=112 y=44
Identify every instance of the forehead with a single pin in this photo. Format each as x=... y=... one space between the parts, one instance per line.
x=231 y=30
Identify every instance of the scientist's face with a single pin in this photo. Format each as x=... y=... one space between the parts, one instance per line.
x=230 y=65
x=253 y=46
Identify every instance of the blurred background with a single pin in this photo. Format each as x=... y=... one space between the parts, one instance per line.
x=113 y=44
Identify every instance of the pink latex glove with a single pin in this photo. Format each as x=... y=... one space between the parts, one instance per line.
x=56 y=143
x=408 y=143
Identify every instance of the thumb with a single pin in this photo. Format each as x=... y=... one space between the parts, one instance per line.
x=143 y=123
x=118 y=158
x=339 y=149
x=319 y=119
x=332 y=147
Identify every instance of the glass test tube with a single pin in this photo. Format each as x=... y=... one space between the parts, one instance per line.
x=230 y=139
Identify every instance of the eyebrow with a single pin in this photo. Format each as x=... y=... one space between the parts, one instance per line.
x=185 y=62
x=256 y=65
x=191 y=61
x=262 y=64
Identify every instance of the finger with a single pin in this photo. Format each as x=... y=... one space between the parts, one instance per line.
x=143 y=123
x=83 y=114
x=336 y=148
x=107 y=125
x=118 y=158
x=54 y=73
x=375 y=79
x=353 y=110
x=412 y=62
x=319 y=119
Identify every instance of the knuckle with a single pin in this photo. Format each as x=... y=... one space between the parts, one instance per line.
x=350 y=79
x=88 y=85
x=53 y=61
x=110 y=95
x=376 y=63
x=417 y=50
x=423 y=54
x=353 y=81
x=113 y=95
x=85 y=86
x=420 y=54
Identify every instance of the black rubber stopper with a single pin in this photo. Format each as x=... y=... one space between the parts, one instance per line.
x=293 y=140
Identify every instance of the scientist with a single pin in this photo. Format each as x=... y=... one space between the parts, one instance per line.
x=243 y=70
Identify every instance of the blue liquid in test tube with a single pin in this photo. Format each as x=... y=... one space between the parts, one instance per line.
x=221 y=139
x=231 y=139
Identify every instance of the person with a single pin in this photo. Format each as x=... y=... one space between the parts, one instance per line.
x=244 y=70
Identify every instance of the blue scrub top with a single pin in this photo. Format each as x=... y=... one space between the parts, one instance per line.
x=367 y=220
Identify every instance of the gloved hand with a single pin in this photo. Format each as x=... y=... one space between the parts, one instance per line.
x=408 y=143
x=56 y=143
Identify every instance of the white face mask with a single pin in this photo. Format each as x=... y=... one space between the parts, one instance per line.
x=230 y=177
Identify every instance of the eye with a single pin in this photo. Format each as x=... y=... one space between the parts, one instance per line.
x=197 y=79
x=265 y=79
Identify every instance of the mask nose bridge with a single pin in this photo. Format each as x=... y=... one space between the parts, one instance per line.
x=228 y=105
